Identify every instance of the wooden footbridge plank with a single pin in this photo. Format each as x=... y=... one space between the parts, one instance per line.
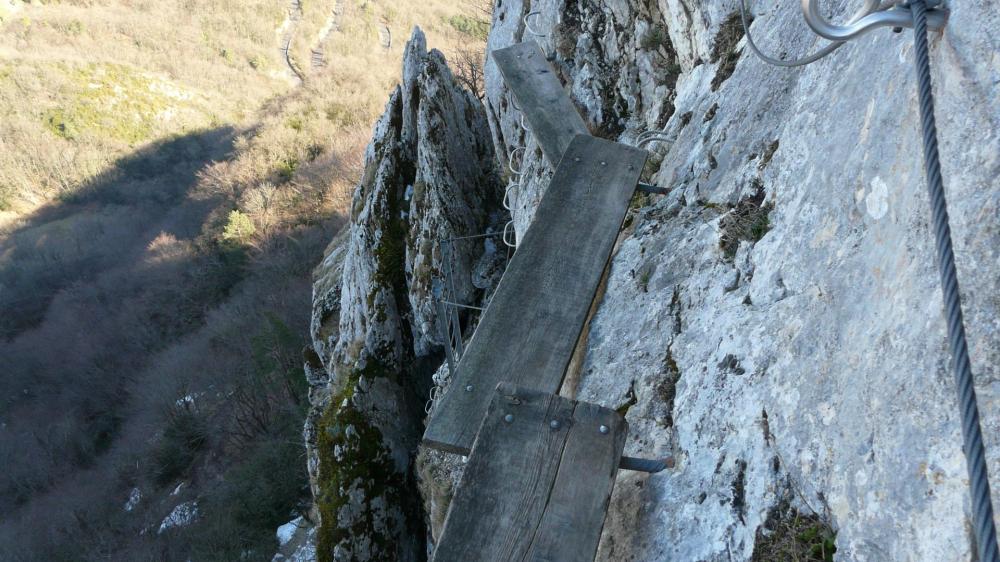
x=551 y=115
x=528 y=332
x=538 y=481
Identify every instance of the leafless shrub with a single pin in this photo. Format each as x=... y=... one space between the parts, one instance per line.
x=468 y=68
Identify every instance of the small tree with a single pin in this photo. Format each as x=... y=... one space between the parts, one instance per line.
x=239 y=228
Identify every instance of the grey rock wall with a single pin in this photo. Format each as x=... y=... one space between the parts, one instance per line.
x=429 y=175
x=776 y=321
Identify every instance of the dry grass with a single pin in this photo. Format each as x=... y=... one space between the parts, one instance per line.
x=790 y=536
x=84 y=82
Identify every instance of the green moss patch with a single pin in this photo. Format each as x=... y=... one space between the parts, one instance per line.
x=353 y=456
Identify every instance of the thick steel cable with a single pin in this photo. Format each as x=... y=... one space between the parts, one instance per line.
x=975 y=453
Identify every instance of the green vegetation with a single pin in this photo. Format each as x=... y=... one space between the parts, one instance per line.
x=666 y=389
x=185 y=435
x=352 y=455
x=253 y=498
x=654 y=38
x=790 y=536
x=111 y=101
x=473 y=27
x=239 y=228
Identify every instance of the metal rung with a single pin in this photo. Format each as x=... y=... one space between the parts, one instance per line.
x=654 y=189
x=651 y=466
x=463 y=305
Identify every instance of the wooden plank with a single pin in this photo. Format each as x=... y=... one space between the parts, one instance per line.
x=547 y=108
x=504 y=488
x=528 y=332
x=571 y=526
x=529 y=487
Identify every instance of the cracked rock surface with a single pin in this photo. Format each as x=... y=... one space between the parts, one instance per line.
x=774 y=322
x=429 y=175
x=777 y=318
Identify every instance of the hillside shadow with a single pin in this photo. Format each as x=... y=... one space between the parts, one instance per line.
x=106 y=223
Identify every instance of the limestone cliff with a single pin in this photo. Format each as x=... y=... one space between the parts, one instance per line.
x=429 y=175
x=775 y=322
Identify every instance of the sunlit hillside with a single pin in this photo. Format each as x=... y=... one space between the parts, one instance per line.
x=169 y=174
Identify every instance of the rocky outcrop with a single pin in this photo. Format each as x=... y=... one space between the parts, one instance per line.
x=429 y=175
x=775 y=322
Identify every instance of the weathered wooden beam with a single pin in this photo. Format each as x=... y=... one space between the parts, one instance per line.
x=538 y=481
x=531 y=326
x=547 y=108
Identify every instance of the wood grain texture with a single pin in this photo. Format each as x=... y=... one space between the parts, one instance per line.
x=528 y=332
x=548 y=110
x=531 y=491
x=571 y=525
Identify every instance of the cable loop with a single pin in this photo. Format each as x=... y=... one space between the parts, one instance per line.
x=506 y=196
x=510 y=161
x=510 y=241
x=654 y=136
x=527 y=23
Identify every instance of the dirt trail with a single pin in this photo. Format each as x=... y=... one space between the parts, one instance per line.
x=318 y=58
x=287 y=32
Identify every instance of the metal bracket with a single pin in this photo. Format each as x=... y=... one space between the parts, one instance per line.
x=651 y=466
x=654 y=189
x=877 y=13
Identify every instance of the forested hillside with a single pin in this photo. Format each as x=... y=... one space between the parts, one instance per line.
x=170 y=173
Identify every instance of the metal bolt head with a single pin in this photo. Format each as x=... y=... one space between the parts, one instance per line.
x=468 y=388
x=508 y=418
x=554 y=424
x=604 y=429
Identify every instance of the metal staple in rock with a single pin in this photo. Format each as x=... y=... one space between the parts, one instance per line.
x=975 y=452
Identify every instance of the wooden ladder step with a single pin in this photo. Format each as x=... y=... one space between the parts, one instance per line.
x=530 y=328
x=551 y=115
x=538 y=481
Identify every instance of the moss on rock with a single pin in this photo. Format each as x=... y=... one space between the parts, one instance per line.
x=356 y=466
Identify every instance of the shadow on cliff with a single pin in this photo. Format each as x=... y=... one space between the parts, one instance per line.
x=105 y=223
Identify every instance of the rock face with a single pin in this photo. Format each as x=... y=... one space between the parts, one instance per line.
x=775 y=322
x=429 y=176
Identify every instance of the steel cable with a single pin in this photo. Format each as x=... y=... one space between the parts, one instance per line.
x=975 y=453
x=809 y=59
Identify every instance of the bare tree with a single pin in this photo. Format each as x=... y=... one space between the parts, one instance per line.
x=468 y=67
